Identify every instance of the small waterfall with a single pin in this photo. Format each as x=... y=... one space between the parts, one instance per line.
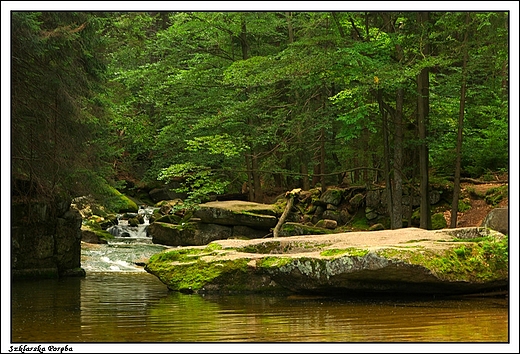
x=125 y=233
x=127 y=251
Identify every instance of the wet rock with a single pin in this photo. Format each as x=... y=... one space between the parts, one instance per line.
x=91 y=237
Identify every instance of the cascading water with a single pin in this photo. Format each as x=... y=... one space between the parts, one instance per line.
x=124 y=232
x=127 y=251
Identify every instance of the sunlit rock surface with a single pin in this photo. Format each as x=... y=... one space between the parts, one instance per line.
x=405 y=261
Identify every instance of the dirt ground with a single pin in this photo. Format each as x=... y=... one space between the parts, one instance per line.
x=479 y=207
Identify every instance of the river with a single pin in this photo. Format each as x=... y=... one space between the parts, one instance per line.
x=118 y=302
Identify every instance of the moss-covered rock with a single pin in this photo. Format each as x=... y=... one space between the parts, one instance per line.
x=391 y=261
x=186 y=271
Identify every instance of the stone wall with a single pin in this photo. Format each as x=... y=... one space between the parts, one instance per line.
x=45 y=240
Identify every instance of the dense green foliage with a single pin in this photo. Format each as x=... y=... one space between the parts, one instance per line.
x=233 y=101
x=58 y=120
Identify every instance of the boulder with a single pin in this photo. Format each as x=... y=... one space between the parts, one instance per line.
x=332 y=196
x=90 y=236
x=404 y=261
x=497 y=219
x=187 y=234
x=327 y=224
x=45 y=239
x=238 y=213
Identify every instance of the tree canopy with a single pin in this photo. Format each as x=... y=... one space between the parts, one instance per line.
x=257 y=101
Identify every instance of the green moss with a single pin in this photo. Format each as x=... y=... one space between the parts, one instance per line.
x=351 y=251
x=295 y=229
x=419 y=240
x=118 y=202
x=496 y=194
x=262 y=248
x=438 y=221
x=485 y=260
x=359 y=221
x=474 y=193
x=213 y=247
x=91 y=224
x=193 y=276
x=273 y=262
x=463 y=205
x=104 y=235
x=170 y=219
x=177 y=255
x=279 y=206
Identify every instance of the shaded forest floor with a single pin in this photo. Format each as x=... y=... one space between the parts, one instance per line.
x=479 y=207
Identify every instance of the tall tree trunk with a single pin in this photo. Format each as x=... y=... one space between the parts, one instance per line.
x=249 y=178
x=456 y=183
x=322 y=160
x=397 y=220
x=255 y=193
x=386 y=157
x=306 y=184
x=290 y=31
x=257 y=186
x=422 y=122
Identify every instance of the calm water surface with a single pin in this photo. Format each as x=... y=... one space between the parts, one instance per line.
x=118 y=302
x=137 y=307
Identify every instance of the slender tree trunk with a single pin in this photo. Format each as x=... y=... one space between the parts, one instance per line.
x=290 y=31
x=386 y=157
x=456 y=183
x=249 y=178
x=255 y=192
x=306 y=184
x=322 y=160
x=257 y=186
x=422 y=120
x=397 y=221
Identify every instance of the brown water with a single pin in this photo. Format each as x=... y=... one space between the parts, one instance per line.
x=137 y=307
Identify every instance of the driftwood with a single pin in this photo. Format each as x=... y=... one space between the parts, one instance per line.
x=290 y=202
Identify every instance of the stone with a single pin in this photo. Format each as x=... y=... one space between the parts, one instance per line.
x=405 y=261
x=356 y=200
x=327 y=224
x=91 y=237
x=497 y=219
x=332 y=215
x=376 y=227
x=45 y=239
x=187 y=234
x=248 y=232
x=234 y=213
x=296 y=229
x=332 y=196
x=370 y=213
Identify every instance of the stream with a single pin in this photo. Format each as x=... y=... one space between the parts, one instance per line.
x=118 y=302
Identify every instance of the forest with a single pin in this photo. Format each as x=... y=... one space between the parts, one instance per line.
x=257 y=102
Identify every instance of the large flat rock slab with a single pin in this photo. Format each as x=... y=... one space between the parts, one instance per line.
x=406 y=261
x=238 y=213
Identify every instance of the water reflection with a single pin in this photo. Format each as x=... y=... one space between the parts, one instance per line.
x=137 y=307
